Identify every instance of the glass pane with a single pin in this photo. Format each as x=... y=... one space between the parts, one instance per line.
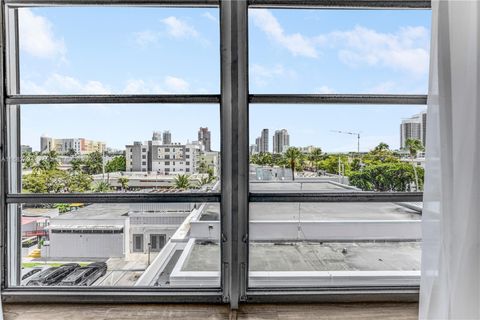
x=339 y=51
x=105 y=50
x=337 y=148
x=82 y=244
x=118 y=148
x=334 y=244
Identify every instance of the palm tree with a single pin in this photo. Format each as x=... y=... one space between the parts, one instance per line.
x=123 y=181
x=293 y=155
x=50 y=161
x=314 y=156
x=103 y=186
x=382 y=146
x=182 y=181
x=414 y=146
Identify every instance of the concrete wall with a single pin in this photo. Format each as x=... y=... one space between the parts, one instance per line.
x=347 y=230
x=86 y=245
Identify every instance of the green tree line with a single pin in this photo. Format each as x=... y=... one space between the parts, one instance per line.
x=381 y=169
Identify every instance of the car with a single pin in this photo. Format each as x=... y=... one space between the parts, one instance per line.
x=85 y=276
x=53 y=275
x=30 y=272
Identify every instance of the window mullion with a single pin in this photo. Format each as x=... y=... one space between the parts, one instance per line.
x=234 y=123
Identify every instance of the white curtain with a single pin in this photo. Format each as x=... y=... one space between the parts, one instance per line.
x=450 y=284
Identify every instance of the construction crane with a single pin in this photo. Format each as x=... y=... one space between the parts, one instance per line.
x=353 y=134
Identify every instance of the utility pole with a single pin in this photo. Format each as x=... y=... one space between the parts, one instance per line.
x=351 y=133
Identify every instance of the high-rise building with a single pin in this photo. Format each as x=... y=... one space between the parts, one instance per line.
x=414 y=128
x=257 y=144
x=156 y=136
x=281 y=141
x=204 y=138
x=167 y=137
x=263 y=142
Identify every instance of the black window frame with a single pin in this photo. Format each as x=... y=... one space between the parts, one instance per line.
x=234 y=100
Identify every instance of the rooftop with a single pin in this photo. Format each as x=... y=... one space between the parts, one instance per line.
x=315 y=256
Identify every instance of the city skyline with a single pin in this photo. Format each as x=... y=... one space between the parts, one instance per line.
x=284 y=49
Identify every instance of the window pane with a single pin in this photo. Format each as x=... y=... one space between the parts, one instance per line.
x=322 y=143
x=108 y=148
x=339 y=51
x=334 y=244
x=104 y=50
x=171 y=245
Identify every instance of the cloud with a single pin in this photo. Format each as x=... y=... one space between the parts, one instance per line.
x=325 y=90
x=210 y=17
x=179 y=29
x=405 y=50
x=144 y=38
x=37 y=37
x=176 y=85
x=170 y=84
x=61 y=84
x=263 y=75
x=296 y=43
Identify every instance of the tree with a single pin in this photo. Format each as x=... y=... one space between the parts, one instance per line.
x=314 y=156
x=117 y=164
x=79 y=182
x=123 y=181
x=102 y=186
x=182 y=181
x=330 y=163
x=71 y=152
x=29 y=160
x=76 y=164
x=62 y=207
x=293 y=157
x=398 y=176
x=414 y=146
x=380 y=154
x=93 y=164
x=49 y=161
x=202 y=167
x=382 y=147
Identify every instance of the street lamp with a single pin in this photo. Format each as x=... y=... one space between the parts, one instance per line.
x=351 y=133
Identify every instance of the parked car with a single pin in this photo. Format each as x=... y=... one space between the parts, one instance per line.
x=53 y=275
x=29 y=272
x=85 y=276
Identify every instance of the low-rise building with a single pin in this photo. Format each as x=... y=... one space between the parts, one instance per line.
x=79 y=146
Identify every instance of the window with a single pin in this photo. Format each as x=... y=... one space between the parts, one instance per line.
x=138 y=243
x=78 y=199
x=157 y=242
x=339 y=149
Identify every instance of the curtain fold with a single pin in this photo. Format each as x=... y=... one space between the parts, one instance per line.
x=450 y=284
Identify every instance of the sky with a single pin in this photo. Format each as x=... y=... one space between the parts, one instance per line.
x=176 y=50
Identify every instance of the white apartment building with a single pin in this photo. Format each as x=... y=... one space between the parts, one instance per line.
x=170 y=158
x=175 y=158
